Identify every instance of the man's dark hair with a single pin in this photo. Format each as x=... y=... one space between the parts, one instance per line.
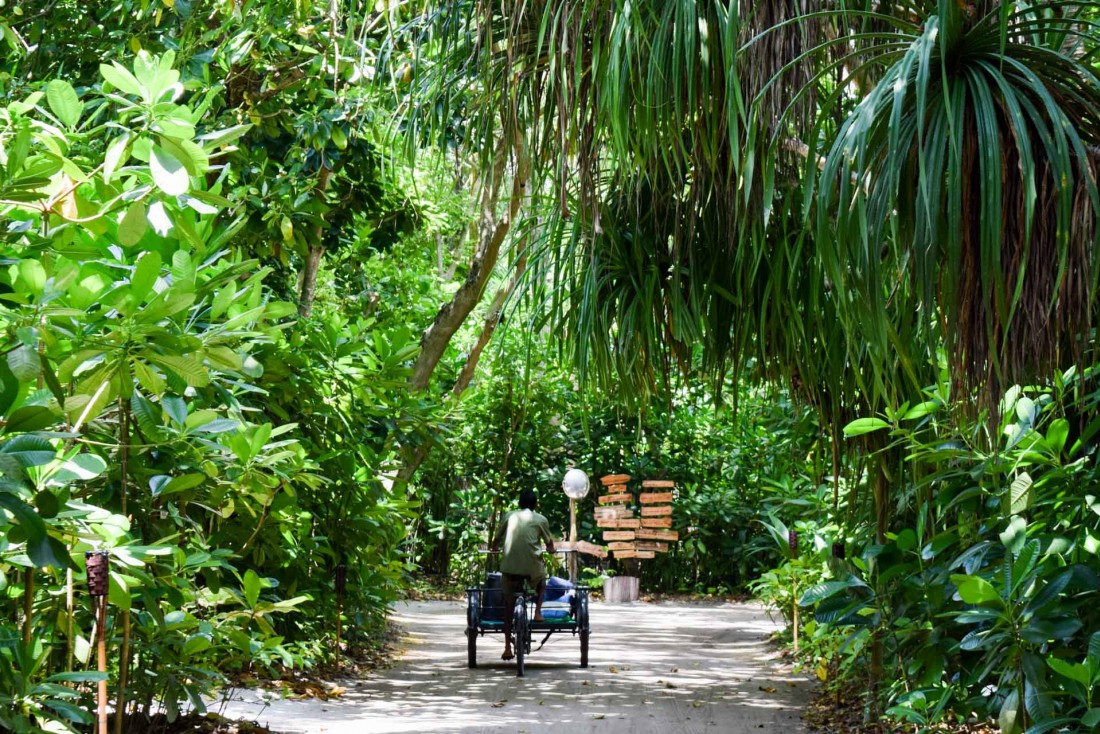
x=527 y=499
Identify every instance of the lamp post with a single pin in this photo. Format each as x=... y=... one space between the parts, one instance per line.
x=575 y=486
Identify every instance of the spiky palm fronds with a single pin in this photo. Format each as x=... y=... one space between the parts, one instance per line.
x=968 y=170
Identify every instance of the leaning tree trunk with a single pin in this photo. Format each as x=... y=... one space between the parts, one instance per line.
x=492 y=231
x=313 y=257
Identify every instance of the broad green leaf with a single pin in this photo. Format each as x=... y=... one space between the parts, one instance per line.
x=148 y=378
x=191 y=157
x=860 y=426
x=82 y=467
x=975 y=589
x=188 y=368
x=183 y=271
x=42 y=549
x=1020 y=494
x=286 y=227
x=1010 y=712
x=133 y=225
x=214 y=140
x=1091 y=543
x=1073 y=671
x=63 y=102
x=1057 y=433
x=1026 y=409
x=169 y=174
x=46 y=503
x=30 y=450
x=176 y=408
x=251 y=586
x=921 y=409
x=118 y=593
x=118 y=154
x=33 y=275
x=121 y=79
x=180 y=484
x=31 y=418
x=824 y=590
x=145 y=276
x=23 y=363
x=9 y=387
x=1091 y=717
x=1015 y=535
x=222 y=299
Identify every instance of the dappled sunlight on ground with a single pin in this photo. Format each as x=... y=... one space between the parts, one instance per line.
x=653 y=668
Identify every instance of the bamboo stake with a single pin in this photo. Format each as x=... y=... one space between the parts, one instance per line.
x=69 y=612
x=101 y=663
x=124 y=653
x=28 y=605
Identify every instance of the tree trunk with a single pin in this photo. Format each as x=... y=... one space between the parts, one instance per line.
x=313 y=258
x=491 y=234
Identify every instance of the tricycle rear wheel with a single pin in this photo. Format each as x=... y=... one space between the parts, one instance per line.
x=519 y=627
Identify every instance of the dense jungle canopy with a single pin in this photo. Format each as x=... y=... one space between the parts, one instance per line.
x=297 y=294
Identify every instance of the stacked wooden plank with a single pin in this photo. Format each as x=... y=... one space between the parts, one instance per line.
x=616 y=516
x=655 y=532
x=630 y=536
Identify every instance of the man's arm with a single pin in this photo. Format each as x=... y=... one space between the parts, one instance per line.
x=545 y=526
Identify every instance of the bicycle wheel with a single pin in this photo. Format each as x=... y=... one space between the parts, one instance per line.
x=582 y=623
x=473 y=621
x=519 y=628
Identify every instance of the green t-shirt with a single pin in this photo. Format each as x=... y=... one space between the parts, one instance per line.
x=521 y=531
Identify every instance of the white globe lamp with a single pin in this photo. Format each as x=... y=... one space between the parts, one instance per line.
x=575 y=486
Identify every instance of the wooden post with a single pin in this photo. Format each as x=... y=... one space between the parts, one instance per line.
x=573 y=540
x=101 y=663
x=95 y=562
x=792 y=541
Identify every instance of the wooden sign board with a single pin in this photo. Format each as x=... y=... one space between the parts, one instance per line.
x=615 y=547
x=613 y=488
x=612 y=512
x=643 y=554
x=616 y=499
x=626 y=553
x=615 y=479
x=582 y=546
x=618 y=535
x=658 y=483
x=630 y=523
x=607 y=522
x=653 y=498
x=652 y=546
x=656 y=522
x=651 y=534
x=656 y=511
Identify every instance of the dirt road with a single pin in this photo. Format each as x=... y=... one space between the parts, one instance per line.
x=654 y=668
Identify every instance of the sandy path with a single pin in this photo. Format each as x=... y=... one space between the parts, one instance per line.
x=653 y=668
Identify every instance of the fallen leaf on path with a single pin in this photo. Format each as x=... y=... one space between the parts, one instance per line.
x=696 y=704
x=500 y=703
x=598 y=716
x=792 y=684
x=670 y=685
x=613 y=669
x=674 y=669
x=767 y=689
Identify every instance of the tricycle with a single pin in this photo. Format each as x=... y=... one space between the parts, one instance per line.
x=485 y=610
